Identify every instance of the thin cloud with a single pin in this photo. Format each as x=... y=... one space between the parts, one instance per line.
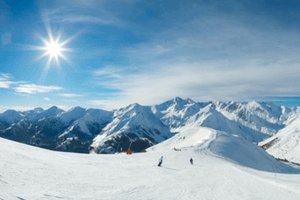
x=5 y=81
x=108 y=72
x=80 y=13
x=33 y=88
x=69 y=95
x=204 y=82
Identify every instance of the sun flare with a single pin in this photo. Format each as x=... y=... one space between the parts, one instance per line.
x=54 y=49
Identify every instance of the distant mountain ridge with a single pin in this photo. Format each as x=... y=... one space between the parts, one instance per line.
x=138 y=127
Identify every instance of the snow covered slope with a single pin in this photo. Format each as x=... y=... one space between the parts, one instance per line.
x=28 y=172
x=223 y=145
x=285 y=144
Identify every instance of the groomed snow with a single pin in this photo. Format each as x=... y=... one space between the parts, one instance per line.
x=27 y=172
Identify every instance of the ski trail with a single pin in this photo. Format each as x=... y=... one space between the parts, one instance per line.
x=267 y=180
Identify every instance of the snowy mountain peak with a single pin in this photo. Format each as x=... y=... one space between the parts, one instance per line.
x=54 y=110
x=11 y=116
x=72 y=114
x=179 y=100
x=134 y=127
x=37 y=110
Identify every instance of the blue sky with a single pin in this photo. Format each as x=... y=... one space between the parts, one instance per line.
x=128 y=51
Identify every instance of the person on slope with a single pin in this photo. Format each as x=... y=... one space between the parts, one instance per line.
x=191 y=161
x=160 y=161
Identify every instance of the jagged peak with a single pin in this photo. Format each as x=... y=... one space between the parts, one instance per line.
x=182 y=100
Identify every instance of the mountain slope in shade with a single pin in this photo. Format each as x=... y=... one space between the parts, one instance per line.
x=285 y=144
x=134 y=127
x=11 y=116
x=79 y=135
x=55 y=129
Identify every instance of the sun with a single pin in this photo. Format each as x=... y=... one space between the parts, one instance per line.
x=54 y=49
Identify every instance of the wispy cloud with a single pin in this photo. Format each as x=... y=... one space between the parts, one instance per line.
x=69 y=95
x=33 y=88
x=108 y=72
x=24 y=87
x=77 y=12
x=212 y=55
x=204 y=81
x=5 y=80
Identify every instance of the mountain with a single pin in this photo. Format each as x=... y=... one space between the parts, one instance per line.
x=138 y=127
x=285 y=145
x=11 y=116
x=134 y=127
x=80 y=133
x=55 y=129
x=254 y=121
x=174 y=113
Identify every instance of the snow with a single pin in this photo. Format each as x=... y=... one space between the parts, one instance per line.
x=175 y=112
x=50 y=112
x=253 y=120
x=84 y=118
x=72 y=114
x=223 y=145
x=134 y=122
x=285 y=144
x=28 y=172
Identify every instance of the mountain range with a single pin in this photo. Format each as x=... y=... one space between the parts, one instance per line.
x=138 y=127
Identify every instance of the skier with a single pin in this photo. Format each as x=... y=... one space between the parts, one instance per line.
x=191 y=161
x=160 y=161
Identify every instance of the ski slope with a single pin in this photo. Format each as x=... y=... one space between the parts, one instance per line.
x=28 y=172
